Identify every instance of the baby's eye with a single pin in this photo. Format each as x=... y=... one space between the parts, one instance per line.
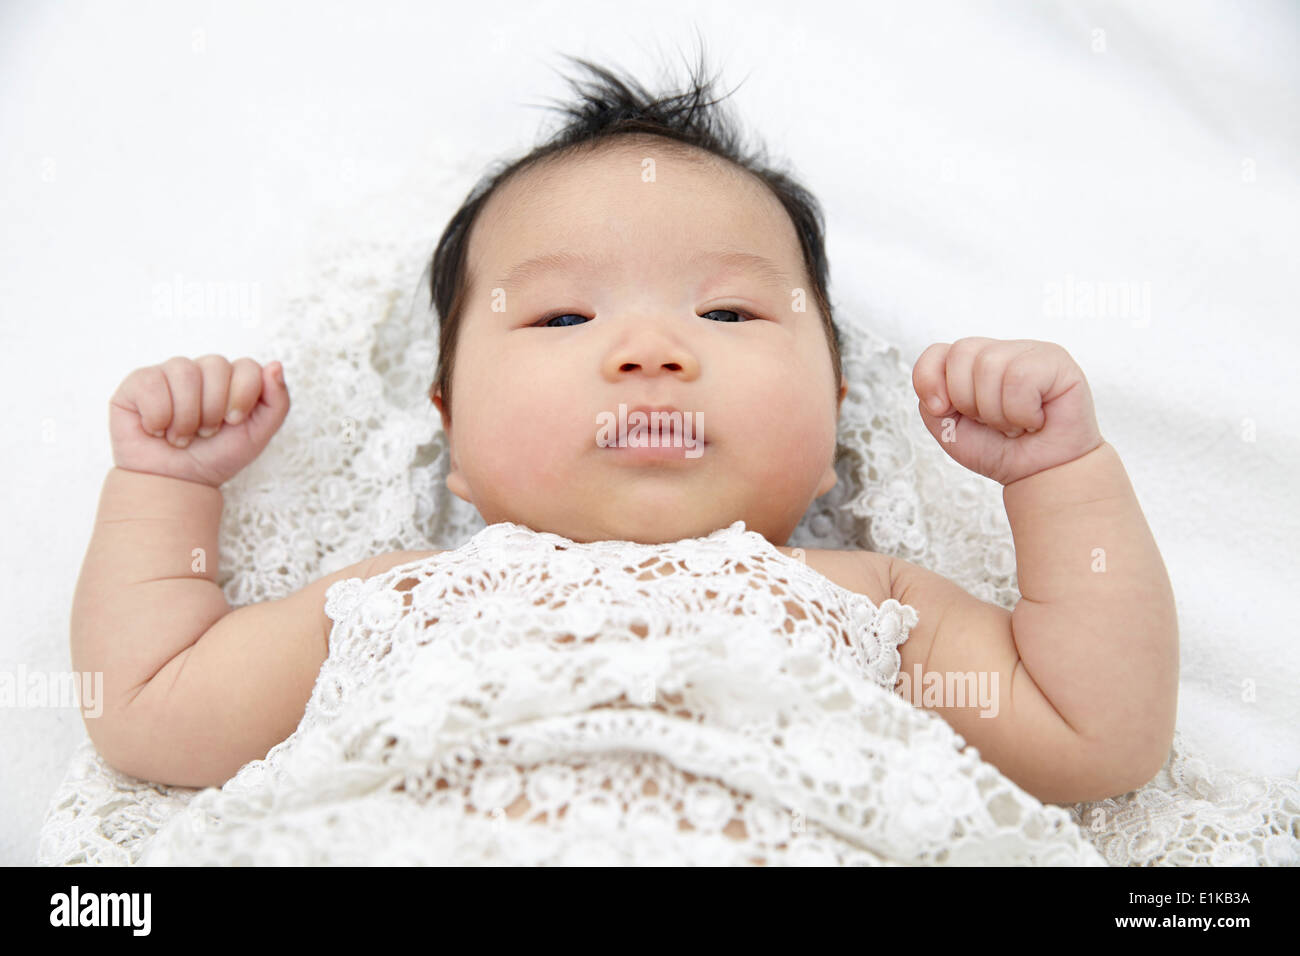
x=572 y=318
x=560 y=321
x=736 y=316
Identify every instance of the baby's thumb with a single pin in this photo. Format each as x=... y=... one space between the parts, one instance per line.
x=271 y=408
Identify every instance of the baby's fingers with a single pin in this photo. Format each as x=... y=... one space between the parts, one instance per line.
x=185 y=384
x=216 y=386
x=145 y=393
x=269 y=413
x=928 y=378
x=245 y=389
x=1024 y=383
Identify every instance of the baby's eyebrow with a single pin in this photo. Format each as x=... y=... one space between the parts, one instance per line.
x=538 y=265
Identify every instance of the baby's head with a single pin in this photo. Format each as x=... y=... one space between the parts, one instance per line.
x=638 y=258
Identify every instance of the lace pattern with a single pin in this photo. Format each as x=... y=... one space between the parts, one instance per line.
x=602 y=701
x=358 y=470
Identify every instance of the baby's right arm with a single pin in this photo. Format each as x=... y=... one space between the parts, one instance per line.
x=192 y=690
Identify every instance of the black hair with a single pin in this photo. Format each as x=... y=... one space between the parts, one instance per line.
x=607 y=108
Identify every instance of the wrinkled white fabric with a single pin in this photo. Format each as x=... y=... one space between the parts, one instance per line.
x=358 y=470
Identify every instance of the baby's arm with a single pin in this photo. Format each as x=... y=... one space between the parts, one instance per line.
x=192 y=689
x=1091 y=649
x=1096 y=625
x=1086 y=665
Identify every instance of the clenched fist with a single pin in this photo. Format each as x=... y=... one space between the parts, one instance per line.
x=200 y=420
x=1006 y=409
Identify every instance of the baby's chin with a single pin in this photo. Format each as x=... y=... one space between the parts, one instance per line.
x=637 y=529
x=649 y=527
x=649 y=505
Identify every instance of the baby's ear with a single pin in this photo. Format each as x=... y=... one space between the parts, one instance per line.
x=455 y=480
x=435 y=396
x=839 y=402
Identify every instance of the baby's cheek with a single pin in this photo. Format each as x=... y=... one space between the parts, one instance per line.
x=798 y=450
x=523 y=445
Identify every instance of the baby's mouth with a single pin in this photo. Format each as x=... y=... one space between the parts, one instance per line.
x=652 y=433
x=667 y=442
x=662 y=452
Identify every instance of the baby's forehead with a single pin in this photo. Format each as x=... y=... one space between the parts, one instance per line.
x=649 y=165
x=598 y=199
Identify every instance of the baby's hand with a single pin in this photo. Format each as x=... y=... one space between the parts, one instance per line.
x=1006 y=409
x=201 y=420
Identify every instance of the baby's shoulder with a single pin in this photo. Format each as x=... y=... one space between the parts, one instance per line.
x=863 y=572
x=382 y=563
x=317 y=593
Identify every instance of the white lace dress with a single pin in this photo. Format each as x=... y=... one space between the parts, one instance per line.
x=686 y=732
x=528 y=700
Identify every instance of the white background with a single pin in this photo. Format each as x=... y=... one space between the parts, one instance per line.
x=968 y=155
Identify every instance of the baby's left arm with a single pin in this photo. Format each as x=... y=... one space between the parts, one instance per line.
x=1095 y=631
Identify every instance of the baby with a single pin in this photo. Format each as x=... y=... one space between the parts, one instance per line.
x=638 y=277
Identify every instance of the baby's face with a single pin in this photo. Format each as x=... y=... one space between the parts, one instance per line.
x=530 y=399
